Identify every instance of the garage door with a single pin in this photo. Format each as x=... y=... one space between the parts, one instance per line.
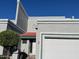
x=60 y=47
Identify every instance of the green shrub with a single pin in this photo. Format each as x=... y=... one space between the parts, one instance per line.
x=8 y=39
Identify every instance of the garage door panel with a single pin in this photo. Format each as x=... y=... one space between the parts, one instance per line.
x=60 y=49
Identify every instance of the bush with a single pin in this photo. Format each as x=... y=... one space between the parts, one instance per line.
x=8 y=39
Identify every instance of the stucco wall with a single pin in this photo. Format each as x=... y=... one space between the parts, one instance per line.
x=32 y=22
x=1 y=50
x=3 y=25
x=58 y=26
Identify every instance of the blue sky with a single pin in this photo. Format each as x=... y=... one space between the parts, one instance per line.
x=66 y=8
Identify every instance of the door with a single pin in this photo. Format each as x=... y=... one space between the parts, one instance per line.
x=60 y=47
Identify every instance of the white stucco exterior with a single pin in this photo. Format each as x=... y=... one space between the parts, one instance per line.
x=32 y=22
x=49 y=31
x=25 y=47
x=34 y=48
x=51 y=28
x=1 y=50
x=3 y=24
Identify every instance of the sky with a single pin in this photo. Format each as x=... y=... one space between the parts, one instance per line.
x=66 y=8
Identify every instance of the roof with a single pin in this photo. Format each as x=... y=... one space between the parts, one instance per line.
x=31 y=35
x=28 y=34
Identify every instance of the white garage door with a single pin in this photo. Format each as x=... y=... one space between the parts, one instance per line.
x=60 y=48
